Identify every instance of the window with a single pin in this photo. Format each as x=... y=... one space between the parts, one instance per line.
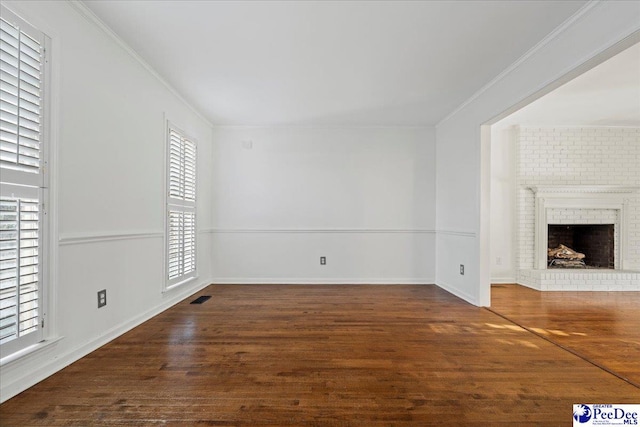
x=181 y=207
x=23 y=184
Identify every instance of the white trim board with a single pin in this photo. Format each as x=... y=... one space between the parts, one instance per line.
x=319 y=281
x=318 y=127
x=319 y=230
x=459 y=233
x=85 y=238
x=503 y=280
x=458 y=293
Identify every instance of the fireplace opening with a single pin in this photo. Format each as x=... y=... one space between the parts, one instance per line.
x=589 y=246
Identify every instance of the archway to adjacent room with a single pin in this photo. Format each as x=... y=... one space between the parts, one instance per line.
x=488 y=131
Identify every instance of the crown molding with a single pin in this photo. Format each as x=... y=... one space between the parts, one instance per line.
x=577 y=16
x=91 y=17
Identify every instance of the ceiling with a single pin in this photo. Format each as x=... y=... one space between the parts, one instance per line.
x=330 y=62
x=606 y=95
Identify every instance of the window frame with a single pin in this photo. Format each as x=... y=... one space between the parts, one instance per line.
x=23 y=184
x=177 y=205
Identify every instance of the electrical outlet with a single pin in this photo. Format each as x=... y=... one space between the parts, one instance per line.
x=323 y=260
x=102 y=298
x=462 y=269
x=498 y=260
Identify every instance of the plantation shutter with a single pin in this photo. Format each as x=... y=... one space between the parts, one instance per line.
x=182 y=168
x=19 y=226
x=21 y=75
x=181 y=215
x=21 y=180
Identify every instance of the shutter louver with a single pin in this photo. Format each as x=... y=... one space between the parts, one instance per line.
x=8 y=269
x=21 y=67
x=182 y=168
x=181 y=217
x=189 y=171
x=176 y=168
x=176 y=236
x=22 y=186
x=19 y=271
x=189 y=243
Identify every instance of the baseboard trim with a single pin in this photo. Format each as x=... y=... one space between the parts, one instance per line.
x=503 y=280
x=319 y=281
x=321 y=231
x=458 y=292
x=59 y=362
x=527 y=285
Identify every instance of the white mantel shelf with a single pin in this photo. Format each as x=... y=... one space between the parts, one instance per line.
x=581 y=190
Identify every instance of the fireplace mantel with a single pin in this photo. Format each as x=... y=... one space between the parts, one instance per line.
x=581 y=190
x=580 y=197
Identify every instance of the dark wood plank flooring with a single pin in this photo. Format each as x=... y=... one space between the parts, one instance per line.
x=321 y=356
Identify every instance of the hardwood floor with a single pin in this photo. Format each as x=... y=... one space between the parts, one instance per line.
x=321 y=356
x=603 y=327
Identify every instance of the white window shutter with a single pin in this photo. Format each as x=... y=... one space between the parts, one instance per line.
x=21 y=66
x=181 y=207
x=176 y=244
x=189 y=171
x=189 y=242
x=22 y=186
x=9 y=255
x=20 y=259
x=176 y=165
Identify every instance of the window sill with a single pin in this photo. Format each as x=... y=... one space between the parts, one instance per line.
x=177 y=285
x=32 y=349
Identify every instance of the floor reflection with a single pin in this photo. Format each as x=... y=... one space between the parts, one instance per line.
x=601 y=327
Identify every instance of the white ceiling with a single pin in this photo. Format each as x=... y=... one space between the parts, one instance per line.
x=330 y=62
x=606 y=95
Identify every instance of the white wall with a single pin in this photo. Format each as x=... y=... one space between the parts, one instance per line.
x=108 y=197
x=503 y=205
x=362 y=197
x=458 y=139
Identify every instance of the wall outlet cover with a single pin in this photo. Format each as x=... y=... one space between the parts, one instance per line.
x=102 y=298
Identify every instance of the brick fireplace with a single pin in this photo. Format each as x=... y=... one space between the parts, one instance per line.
x=581 y=215
x=582 y=206
x=578 y=177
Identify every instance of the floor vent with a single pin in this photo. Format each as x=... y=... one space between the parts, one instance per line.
x=200 y=300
